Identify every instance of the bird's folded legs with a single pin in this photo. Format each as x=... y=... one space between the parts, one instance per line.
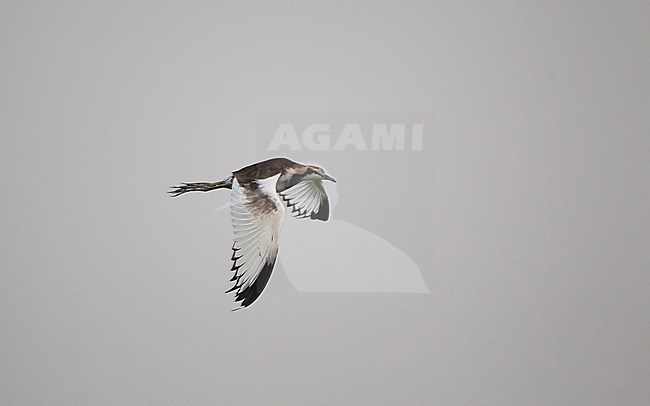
x=194 y=187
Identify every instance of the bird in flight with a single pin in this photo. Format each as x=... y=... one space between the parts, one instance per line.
x=257 y=207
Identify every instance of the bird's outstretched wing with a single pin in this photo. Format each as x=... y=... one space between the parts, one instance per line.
x=307 y=199
x=257 y=214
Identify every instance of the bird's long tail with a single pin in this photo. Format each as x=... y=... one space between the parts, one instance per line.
x=200 y=187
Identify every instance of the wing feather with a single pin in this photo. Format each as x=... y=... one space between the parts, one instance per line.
x=307 y=198
x=257 y=215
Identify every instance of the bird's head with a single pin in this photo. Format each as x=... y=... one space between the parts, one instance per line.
x=317 y=173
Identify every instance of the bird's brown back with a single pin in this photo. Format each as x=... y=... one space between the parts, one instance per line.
x=263 y=170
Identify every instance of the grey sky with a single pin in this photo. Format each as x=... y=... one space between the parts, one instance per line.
x=530 y=224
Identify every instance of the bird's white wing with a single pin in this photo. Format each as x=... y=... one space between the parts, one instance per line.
x=257 y=215
x=307 y=199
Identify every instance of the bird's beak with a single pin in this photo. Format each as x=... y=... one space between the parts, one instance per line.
x=328 y=177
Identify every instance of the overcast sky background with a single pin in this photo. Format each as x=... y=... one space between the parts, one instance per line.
x=526 y=211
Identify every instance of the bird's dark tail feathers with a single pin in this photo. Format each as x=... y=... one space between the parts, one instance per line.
x=200 y=187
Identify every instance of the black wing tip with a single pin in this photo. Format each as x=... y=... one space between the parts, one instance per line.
x=323 y=213
x=320 y=216
x=248 y=296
